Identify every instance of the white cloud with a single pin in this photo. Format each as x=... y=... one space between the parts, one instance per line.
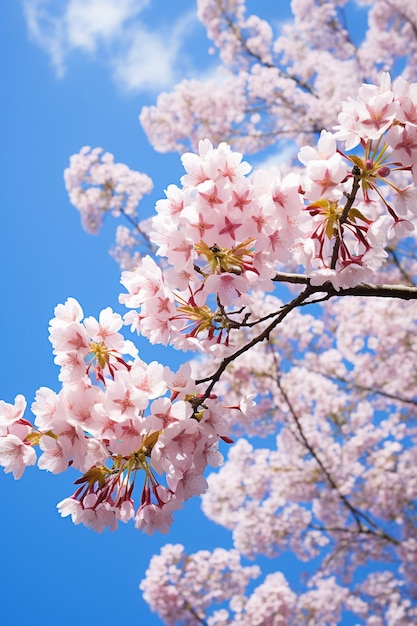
x=88 y=21
x=47 y=31
x=111 y=31
x=150 y=59
x=146 y=63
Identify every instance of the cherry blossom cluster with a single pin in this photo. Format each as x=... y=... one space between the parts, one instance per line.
x=221 y=235
x=390 y=35
x=187 y=589
x=182 y=587
x=286 y=83
x=366 y=209
x=98 y=186
x=128 y=245
x=116 y=418
x=225 y=234
x=260 y=78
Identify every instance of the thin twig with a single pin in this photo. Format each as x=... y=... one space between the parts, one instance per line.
x=372 y=390
x=187 y=607
x=285 y=310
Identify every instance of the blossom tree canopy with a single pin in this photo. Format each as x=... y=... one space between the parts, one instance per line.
x=295 y=291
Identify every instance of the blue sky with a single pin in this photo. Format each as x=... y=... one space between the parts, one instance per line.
x=77 y=73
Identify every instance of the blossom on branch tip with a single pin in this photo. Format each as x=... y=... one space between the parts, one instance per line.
x=97 y=186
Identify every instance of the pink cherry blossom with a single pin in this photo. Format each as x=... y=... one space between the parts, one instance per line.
x=11 y=413
x=15 y=455
x=96 y=185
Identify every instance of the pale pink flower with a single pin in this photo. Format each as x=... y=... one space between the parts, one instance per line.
x=44 y=407
x=105 y=329
x=11 y=413
x=180 y=382
x=323 y=178
x=66 y=313
x=15 y=455
x=56 y=454
x=152 y=517
x=406 y=201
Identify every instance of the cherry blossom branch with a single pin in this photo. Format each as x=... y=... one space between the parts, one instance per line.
x=368 y=290
x=286 y=309
x=238 y=34
x=365 y=290
x=373 y=390
x=338 y=529
x=345 y=501
x=287 y=277
x=387 y=291
x=404 y=292
x=187 y=607
x=314 y=130
x=135 y=224
x=146 y=241
x=358 y=515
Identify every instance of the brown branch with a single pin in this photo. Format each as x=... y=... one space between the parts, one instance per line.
x=343 y=218
x=365 y=290
x=337 y=529
x=286 y=277
x=381 y=291
x=187 y=607
x=311 y=450
x=373 y=390
x=404 y=292
x=280 y=315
